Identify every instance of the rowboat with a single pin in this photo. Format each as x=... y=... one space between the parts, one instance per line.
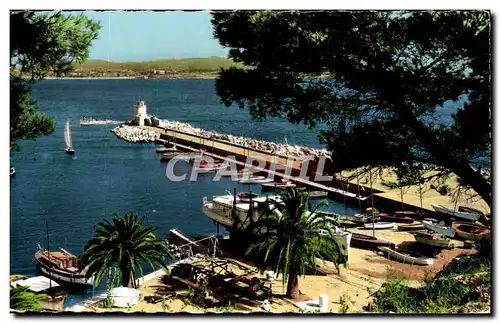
x=364 y=218
x=435 y=240
x=406 y=257
x=463 y=215
x=379 y=225
x=395 y=218
x=470 y=231
x=410 y=226
x=363 y=241
x=447 y=231
x=470 y=210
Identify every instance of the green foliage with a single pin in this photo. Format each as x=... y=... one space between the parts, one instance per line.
x=443 y=189
x=463 y=281
x=345 y=302
x=289 y=239
x=126 y=243
x=392 y=73
x=22 y=299
x=42 y=43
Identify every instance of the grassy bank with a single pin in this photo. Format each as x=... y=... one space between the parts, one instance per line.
x=462 y=286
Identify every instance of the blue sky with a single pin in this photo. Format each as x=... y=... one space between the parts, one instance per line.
x=148 y=35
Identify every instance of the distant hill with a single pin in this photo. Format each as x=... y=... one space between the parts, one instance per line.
x=169 y=66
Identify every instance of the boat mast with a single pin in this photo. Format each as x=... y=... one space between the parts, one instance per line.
x=48 y=252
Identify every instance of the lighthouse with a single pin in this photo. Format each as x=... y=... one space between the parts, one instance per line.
x=140 y=113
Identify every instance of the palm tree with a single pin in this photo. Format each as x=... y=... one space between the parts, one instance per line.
x=22 y=299
x=128 y=244
x=291 y=238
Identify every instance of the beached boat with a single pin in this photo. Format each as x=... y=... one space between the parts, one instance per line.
x=277 y=186
x=394 y=218
x=470 y=210
x=62 y=267
x=12 y=171
x=440 y=228
x=406 y=257
x=435 y=240
x=43 y=285
x=67 y=139
x=347 y=223
x=379 y=225
x=470 y=231
x=411 y=214
x=363 y=241
x=463 y=215
x=410 y=226
x=255 y=180
x=365 y=218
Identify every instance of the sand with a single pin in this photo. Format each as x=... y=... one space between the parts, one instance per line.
x=366 y=271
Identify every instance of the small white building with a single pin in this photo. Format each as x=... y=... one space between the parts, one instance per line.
x=140 y=113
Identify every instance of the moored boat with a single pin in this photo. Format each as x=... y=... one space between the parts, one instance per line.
x=406 y=257
x=440 y=228
x=463 y=215
x=435 y=240
x=255 y=180
x=470 y=231
x=363 y=241
x=62 y=267
x=410 y=226
x=277 y=186
x=173 y=154
x=379 y=225
x=393 y=218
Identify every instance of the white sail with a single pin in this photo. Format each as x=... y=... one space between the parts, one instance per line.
x=67 y=135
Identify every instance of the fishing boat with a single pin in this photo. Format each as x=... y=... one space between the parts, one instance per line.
x=410 y=226
x=470 y=231
x=395 y=218
x=67 y=138
x=406 y=257
x=363 y=241
x=440 y=228
x=277 y=186
x=379 y=225
x=12 y=171
x=464 y=215
x=255 y=180
x=42 y=285
x=435 y=240
x=470 y=210
x=63 y=267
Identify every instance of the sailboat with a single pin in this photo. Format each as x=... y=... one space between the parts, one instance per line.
x=67 y=138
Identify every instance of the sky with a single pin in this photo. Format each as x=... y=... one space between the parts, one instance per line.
x=149 y=35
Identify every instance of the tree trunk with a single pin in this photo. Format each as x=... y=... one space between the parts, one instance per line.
x=292 y=289
x=127 y=274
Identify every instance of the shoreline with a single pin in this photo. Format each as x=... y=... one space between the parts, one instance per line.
x=179 y=76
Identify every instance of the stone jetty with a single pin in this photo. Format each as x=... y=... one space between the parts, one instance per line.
x=135 y=134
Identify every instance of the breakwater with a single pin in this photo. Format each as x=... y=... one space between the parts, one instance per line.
x=135 y=134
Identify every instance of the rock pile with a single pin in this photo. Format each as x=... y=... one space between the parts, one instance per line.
x=135 y=134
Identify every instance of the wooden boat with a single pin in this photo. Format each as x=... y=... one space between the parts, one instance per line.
x=365 y=218
x=463 y=215
x=410 y=226
x=394 y=218
x=440 y=228
x=410 y=214
x=435 y=240
x=470 y=231
x=43 y=285
x=379 y=225
x=255 y=180
x=363 y=241
x=62 y=267
x=277 y=186
x=406 y=257
x=470 y=210
x=67 y=138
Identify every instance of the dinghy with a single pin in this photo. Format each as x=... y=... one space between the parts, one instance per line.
x=395 y=218
x=406 y=257
x=435 y=240
x=470 y=231
x=440 y=228
x=67 y=138
x=363 y=241
x=410 y=226
x=379 y=225
x=463 y=215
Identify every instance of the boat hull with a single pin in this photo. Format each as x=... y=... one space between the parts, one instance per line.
x=363 y=241
x=379 y=225
x=458 y=214
x=435 y=242
x=69 y=151
x=396 y=219
x=470 y=231
x=447 y=231
x=402 y=257
x=410 y=227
